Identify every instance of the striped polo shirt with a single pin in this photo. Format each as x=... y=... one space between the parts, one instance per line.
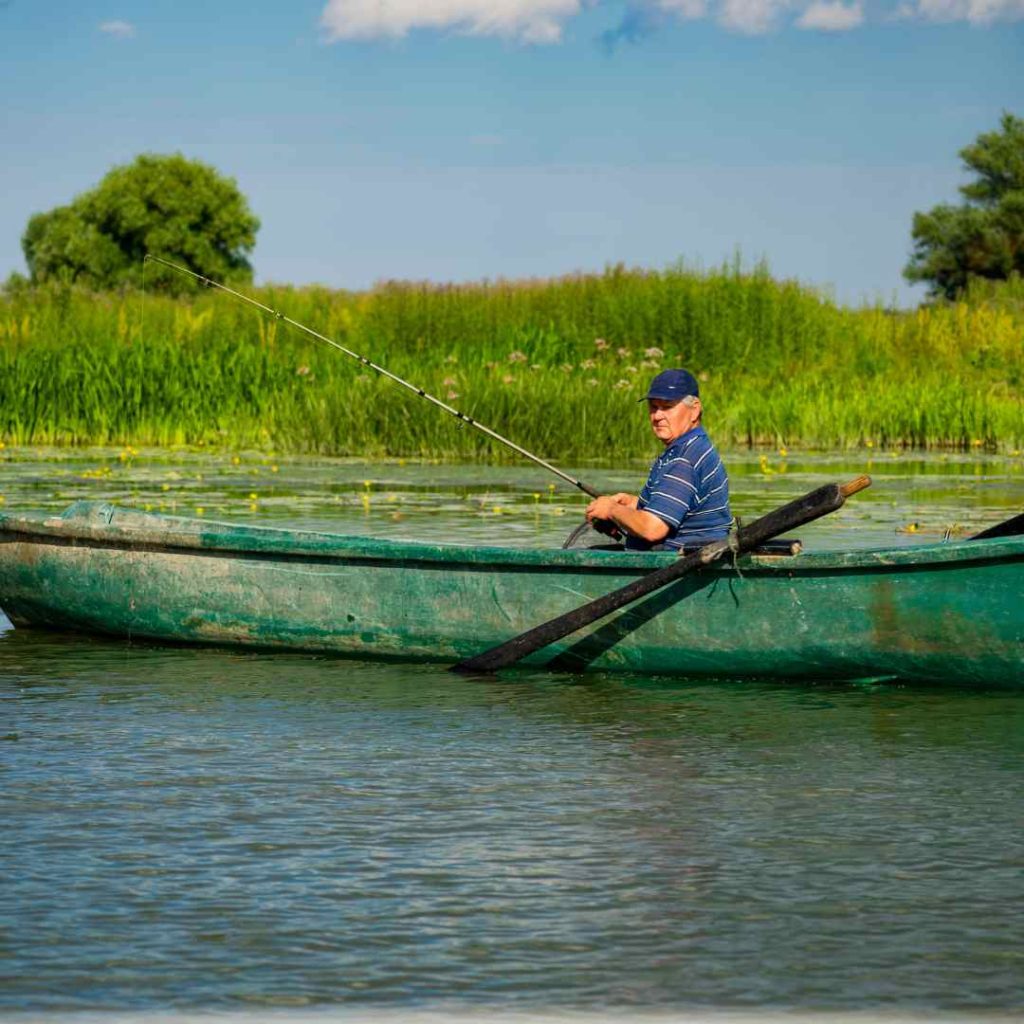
x=689 y=490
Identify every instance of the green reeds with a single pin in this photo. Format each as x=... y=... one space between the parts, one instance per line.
x=556 y=365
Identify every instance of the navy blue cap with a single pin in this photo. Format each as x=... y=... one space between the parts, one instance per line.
x=671 y=385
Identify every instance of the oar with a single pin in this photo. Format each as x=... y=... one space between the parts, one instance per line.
x=803 y=510
x=1008 y=528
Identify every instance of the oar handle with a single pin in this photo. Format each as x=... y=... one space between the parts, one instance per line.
x=796 y=513
x=854 y=485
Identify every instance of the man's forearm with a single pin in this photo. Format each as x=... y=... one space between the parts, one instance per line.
x=639 y=523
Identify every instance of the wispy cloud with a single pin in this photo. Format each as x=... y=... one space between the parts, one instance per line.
x=531 y=21
x=751 y=17
x=831 y=16
x=118 y=29
x=687 y=10
x=976 y=12
x=544 y=21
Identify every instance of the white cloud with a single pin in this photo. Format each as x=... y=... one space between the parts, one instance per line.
x=118 y=29
x=976 y=12
x=532 y=21
x=543 y=21
x=751 y=17
x=831 y=16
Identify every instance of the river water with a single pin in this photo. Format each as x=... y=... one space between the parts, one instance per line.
x=202 y=830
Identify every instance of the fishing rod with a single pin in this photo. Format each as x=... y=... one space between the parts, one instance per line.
x=461 y=417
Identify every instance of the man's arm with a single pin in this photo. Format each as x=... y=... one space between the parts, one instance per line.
x=622 y=511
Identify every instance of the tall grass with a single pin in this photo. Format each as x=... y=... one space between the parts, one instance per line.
x=556 y=365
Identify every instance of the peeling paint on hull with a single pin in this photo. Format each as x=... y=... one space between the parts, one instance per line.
x=939 y=613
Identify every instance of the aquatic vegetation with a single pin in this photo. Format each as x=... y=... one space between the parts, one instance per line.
x=555 y=365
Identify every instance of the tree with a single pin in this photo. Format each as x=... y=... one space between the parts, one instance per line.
x=169 y=206
x=983 y=237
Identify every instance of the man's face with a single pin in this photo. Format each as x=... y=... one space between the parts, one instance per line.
x=670 y=419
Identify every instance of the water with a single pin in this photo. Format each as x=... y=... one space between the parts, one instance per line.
x=914 y=497
x=193 y=830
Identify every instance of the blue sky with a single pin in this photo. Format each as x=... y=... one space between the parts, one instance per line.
x=463 y=139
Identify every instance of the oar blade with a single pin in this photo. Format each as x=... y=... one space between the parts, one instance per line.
x=1012 y=527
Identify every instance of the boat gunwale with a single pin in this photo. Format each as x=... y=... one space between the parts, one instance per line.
x=82 y=524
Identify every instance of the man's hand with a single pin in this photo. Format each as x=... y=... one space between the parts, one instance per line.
x=608 y=505
x=619 y=511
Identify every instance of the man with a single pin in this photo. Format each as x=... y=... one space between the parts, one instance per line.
x=685 y=502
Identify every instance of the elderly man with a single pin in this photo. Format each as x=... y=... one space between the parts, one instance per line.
x=685 y=502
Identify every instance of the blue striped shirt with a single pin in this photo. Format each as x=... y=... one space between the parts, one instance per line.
x=687 y=489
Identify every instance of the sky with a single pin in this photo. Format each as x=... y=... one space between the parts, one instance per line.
x=461 y=140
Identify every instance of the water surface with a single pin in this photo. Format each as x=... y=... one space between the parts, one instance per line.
x=196 y=829
x=914 y=498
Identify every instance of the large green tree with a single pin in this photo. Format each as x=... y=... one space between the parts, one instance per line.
x=983 y=237
x=169 y=206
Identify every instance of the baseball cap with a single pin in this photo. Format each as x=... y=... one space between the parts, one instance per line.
x=671 y=385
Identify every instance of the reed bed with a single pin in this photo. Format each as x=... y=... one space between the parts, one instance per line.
x=556 y=365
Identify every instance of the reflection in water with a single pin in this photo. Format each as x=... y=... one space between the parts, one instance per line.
x=221 y=829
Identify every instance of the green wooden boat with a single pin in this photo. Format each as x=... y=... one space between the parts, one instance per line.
x=950 y=612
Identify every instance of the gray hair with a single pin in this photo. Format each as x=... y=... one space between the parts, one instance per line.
x=690 y=400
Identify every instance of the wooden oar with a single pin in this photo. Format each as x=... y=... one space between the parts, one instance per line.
x=1008 y=528
x=803 y=510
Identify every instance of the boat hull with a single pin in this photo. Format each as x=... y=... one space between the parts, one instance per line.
x=940 y=613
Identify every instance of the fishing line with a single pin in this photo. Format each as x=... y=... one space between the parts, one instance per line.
x=461 y=417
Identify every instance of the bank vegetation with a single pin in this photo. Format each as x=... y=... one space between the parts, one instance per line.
x=556 y=364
